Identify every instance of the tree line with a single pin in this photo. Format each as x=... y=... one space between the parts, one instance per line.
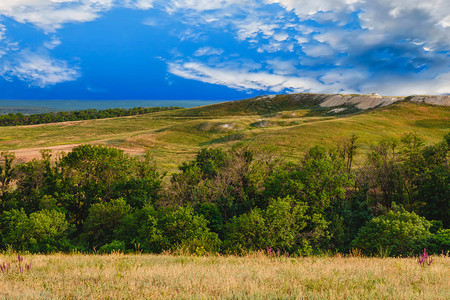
x=17 y=119
x=98 y=199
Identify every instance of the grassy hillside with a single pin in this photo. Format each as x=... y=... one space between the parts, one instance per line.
x=291 y=125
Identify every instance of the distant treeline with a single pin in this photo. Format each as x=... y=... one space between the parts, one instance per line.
x=98 y=199
x=79 y=115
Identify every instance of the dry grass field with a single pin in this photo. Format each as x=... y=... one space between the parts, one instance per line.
x=119 y=276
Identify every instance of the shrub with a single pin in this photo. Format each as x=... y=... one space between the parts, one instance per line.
x=42 y=231
x=114 y=246
x=180 y=228
x=399 y=231
x=104 y=221
x=437 y=243
x=247 y=232
x=284 y=225
x=212 y=214
x=149 y=235
x=184 y=227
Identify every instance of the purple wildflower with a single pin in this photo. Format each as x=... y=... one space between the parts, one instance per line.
x=425 y=259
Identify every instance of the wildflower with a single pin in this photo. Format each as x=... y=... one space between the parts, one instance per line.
x=425 y=259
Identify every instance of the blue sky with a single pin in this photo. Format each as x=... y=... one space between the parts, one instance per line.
x=221 y=49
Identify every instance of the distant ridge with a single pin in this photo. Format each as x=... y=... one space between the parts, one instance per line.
x=334 y=103
x=368 y=101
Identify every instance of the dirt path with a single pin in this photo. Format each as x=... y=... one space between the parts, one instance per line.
x=28 y=154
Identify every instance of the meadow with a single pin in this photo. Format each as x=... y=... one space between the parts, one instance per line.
x=256 y=276
x=175 y=136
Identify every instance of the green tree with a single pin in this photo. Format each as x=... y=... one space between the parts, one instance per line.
x=234 y=185
x=283 y=225
x=181 y=227
x=384 y=173
x=103 y=222
x=89 y=176
x=42 y=231
x=320 y=180
x=399 y=231
x=7 y=172
x=433 y=185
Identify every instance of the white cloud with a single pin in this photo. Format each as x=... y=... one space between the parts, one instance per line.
x=415 y=19
x=397 y=85
x=415 y=32
x=2 y=32
x=281 y=36
x=198 y=5
x=283 y=67
x=244 y=79
x=138 y=4
x=50 y=15
x=306 y=8
x=38 y=70
x=318 y=50
x=52 y=44
x=251 y=27
x=206 y=51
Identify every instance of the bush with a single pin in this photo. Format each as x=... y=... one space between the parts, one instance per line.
x=182 y=227
x=149 y=235
x=104 y=221
x=114 y=246
x=43 y=231
x=211 y=213
x=398 y=231
x=177 y=228
x=437 y=243
x=283 y=226
x=246 y=232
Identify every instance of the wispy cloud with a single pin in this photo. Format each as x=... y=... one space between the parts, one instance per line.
x=244 y=79
x=52 y=44
x=38 y=70
x=51 y=15
x=206 y=51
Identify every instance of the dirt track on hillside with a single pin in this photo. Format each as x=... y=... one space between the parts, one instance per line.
x=28 y=154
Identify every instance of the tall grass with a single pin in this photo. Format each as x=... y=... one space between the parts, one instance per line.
x=254 y=276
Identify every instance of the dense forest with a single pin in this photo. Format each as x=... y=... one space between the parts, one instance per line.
x=77 y=115
x=395 y=202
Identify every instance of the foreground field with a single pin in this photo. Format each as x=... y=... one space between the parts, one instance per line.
x=258 y=276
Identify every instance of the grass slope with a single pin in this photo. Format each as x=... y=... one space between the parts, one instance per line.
x=291 y=125
x=119 y=276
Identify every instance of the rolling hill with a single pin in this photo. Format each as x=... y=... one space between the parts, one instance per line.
x=289 y=123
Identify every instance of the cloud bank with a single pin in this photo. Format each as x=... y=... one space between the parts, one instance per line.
x=386 y=46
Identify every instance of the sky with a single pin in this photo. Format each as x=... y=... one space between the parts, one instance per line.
x=221 y=49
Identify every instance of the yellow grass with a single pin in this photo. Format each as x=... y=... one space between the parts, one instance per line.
x=119 y=276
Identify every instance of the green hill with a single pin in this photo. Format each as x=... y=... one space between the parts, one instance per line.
x=291 y=123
